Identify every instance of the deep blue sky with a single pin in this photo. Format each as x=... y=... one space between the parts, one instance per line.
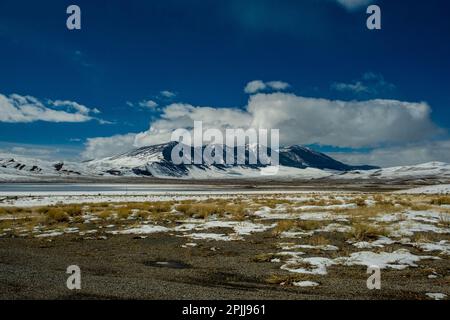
x=206 y=51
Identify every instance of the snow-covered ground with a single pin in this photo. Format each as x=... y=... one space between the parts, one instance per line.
x=307 y=233
x=434 y=189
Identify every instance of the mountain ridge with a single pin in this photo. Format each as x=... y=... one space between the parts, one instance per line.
x=296 y=162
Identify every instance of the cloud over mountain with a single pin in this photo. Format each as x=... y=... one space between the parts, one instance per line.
x=301 y=120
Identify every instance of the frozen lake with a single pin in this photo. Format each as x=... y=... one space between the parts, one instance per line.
x=101 y=188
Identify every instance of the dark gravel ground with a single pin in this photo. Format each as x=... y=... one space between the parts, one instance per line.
x=126 y=267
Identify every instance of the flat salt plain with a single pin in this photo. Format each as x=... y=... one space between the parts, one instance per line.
x=293 y=245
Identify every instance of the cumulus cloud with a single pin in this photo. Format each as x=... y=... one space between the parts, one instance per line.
x=148 y=104
x=167 y=94
x=17 y=108
x=395 y=156
x=101 y=147
x=300 y=120
x=354 y=4
x=341 y=123
x=258 y=85
x=183 y=116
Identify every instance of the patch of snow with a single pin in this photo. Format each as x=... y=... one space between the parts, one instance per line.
x=316 y=265
x=305 y=284
x=213 y=236
x=290 y=246
x=436 y=295
x=380 y=243
x=399 y=259
x=434 y=189
x=443 y=246
x=295 y=234
x=49 y=234
x=144 y=229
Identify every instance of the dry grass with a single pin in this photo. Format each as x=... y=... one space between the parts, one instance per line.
x=13 y=210
x=360 y=202
x=124 y=212
x=318 y=241
x=421 y=238
x=74 y=210
x=272 y=203
x=159 y=207
x=284 y=225
x=56 y=215
x=363 y=231
x=264 y=257
x=304 y=225
x=286 y=279
x=105 y=215
x=444 y=219
x=420 y=206
x=440 y=200
x=237 y=211
x=309 y=225
x=371 y=211
x=200 y=210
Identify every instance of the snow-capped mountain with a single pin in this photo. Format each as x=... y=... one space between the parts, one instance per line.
x=296 y=162
x=435 y=170
x=157 y=161
x=304 y=157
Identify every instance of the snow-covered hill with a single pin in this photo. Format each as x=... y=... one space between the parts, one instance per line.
x=296 y=162
x=436 y=170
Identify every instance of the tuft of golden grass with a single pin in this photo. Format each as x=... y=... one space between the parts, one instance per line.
x=360 y=202
x=304 y=225
x=363 y=231
x=421 y=237
x=105 y=215
x=159 y=207
x=444 y=219
x=440 y=200
x=200 y=210
x=284 y=225
x=318 y=241
x=420 y=206
x=264 y=257
x=286 y=279
x=124 y=212
x=13 y=210
x=56 y=215
x=74 y=210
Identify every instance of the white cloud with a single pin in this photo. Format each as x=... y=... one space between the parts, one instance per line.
x=148 y=104
x=254 y=86
x=258 y=85
x=356 y=87
x=341 y=123
x=102 y=147
x=278 y=85
x=183 y=116
x=370 y=83
x=354 y=4
x=17 y=108
x=75 y=106
x=168 y=94
x=396 y=156
x=46 y=152
x=301 y=120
